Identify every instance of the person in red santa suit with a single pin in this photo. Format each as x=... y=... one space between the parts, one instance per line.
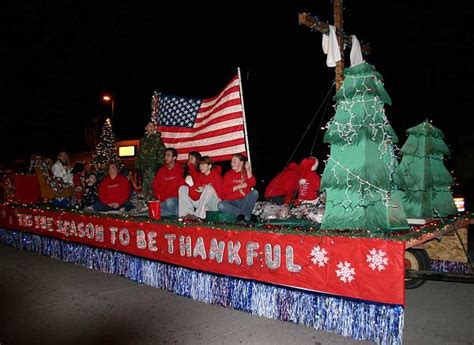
x=283 y=187
x=114 y=192
x=309 y=182
x=166 y=183
x=239 y=197
x=204 y=194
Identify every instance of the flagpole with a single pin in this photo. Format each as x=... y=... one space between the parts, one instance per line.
x=243 y=113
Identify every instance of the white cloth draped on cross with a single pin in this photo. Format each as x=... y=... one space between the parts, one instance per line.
x=333 y=52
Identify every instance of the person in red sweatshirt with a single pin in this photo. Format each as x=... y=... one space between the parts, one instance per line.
x=204 y=194
x=284 y=186
x=309 y=181
x=166 y=183
x=239 y=197
x=191 y=169
x=114 y=192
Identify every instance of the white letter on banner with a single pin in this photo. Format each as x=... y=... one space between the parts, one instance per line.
x=152 y=241
x=99 y=233
x=251 y=247
x=43 y=222
x=170 y=238
x=124 y=237
x=73 y=229
x=50 y=224
x=90 y=230
x=37 y=222
x=113 y=234
x=80 y=230
x=141 y=241
x=216 y=252
x=59 y=226
x=185 y=248
x=20 y=219
x=273 y=263
x=233 y=252
x=66 y=225
x=29 y=220
x=290 y=266
x=199 y=249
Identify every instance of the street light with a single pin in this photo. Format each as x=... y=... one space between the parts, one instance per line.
x=108 y=98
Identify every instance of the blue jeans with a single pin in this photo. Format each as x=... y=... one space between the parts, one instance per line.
x=169 y=207
x=100 y=207
x=240 y=206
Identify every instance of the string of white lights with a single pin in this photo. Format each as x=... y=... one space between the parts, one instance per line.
x=360 y=108
x=385 y=195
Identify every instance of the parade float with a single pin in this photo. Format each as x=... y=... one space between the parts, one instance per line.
x=345 y=275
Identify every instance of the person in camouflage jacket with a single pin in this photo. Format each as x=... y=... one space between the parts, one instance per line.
x=150 y=157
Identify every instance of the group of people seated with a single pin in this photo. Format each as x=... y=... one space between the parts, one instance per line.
x=63 y=185
x=188 y=191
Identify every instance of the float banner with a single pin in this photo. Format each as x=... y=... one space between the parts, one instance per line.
x=361 y=268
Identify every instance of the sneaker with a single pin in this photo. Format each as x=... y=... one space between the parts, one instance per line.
x=89 y=209
x=240 y=219
x=192 y=218
x=112 y=212
x=254 y=218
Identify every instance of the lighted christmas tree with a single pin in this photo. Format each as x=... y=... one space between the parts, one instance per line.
x=359 y=177
x=427 y=181
x=105 y=150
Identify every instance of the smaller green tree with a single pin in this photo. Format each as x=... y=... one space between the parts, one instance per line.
x=427 y=182
x=105 y=150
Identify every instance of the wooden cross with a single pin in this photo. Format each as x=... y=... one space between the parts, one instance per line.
x=343 y=39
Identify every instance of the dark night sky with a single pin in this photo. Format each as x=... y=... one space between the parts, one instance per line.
x=59 y=57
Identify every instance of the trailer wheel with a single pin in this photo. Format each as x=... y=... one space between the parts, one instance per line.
x=416 y=259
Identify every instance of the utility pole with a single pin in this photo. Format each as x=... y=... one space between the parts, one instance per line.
x=338 y=21
x=343 y=39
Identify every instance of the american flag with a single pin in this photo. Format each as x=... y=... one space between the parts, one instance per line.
x=213 y=126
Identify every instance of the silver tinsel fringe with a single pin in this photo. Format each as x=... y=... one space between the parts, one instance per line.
x=449 y=266
x=376 y=322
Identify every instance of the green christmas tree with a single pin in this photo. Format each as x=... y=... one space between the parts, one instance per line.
x=105 y=150
x=362 y=169
x=427 y=181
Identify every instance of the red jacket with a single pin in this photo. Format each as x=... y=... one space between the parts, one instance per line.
x=78 y=181
x=233 y=178
x=167 y=181
x=310 y=189
x=193 y=171
x=202 y=180
x=285 y=183
x=114 y=190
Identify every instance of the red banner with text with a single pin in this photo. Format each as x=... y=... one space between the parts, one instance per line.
x=362 y=268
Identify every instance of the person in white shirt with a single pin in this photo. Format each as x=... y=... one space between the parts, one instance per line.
x=62 y=169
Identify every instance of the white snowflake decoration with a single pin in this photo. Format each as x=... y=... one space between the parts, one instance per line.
x=345 y=272
x=377 y=259
x=318 y=256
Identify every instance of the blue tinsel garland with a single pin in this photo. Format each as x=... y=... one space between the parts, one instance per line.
x=359 y=320
x=449 y=266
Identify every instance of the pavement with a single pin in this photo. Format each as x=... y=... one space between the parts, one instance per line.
x=47 y=301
